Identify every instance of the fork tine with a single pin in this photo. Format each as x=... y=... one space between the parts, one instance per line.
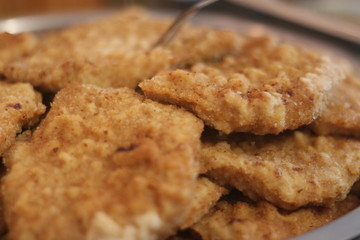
x=179 y=22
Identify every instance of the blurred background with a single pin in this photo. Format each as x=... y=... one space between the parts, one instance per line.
x=14 y=8
x=337 y=18
x=348 y=10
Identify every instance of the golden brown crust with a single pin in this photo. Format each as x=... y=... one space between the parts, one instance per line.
x=20 y=106
x=207 y=194
x=291 y=170
x=342 y=114
x=103 y=163
x=267 y=88
x=263 y=221
x=13 y=46
x=115 y=52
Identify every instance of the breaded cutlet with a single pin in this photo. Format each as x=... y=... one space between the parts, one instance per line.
x=206 y=194
x=291 y=170
x=263 y=221
x=13 y=46
x=103 y=164
x=268 y=87
x=21 y=106
x=116 y=52
x=342 y=114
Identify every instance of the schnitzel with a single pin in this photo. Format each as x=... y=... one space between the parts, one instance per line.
x=266 y=88
x=342 y=114
x=122 y=154
x=263 y=221
x=291 y=170
x=207 y=194
x=20 y=106
x=13 y=46
x=103 y=164
x=116 y=52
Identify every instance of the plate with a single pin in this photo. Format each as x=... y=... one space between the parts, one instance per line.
x=344 y=228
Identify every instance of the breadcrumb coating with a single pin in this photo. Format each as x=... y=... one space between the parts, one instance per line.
x=116 y=52
x=13 y=46
x=20 y=106
x=290 y=170
x=206 y=194
x=342 y=114
x=110 y=163
x=267 y=88
x=263 y=221
x=103 y=164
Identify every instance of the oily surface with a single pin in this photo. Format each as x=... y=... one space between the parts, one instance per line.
x=20 y=106
x=115 y=52
x=267 y=88
x=103 y=164
x=290 y=170
x=342 y=114
x=263 y=221
x=13 y=46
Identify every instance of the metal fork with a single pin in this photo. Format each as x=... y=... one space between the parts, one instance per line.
x=175 y=27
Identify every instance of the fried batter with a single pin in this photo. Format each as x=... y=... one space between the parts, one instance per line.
x=267 y=88
x=342 y=115
x=263 y=221
x=103 y=164
x=116 y=52
x=207 y=194
x=290 y=170
x=20 y=107
x=13 y=46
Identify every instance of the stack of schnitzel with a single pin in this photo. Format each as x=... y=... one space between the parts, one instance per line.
x=214 y=136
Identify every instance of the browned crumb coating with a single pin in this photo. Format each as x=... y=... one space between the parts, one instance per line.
x=267 y=88
x=13 y=46
x=103 y=164
x=111 y=164
x=290 y=170
x=263 y=221
x=342 y=114
x=206 y=194
x=20 y=106
x=116 y=52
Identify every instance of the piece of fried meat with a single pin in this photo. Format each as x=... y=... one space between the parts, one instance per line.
x=342 y=114
x=291 y=170
x=116 y=52
x=13 y=46
x=263 y=221
x=267 y=88
x=103 y=164
x=206 y=194
x=20 y=106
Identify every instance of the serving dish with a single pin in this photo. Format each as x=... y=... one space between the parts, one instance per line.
x=344 y=228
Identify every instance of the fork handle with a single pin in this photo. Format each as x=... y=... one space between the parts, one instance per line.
x=179 y=22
